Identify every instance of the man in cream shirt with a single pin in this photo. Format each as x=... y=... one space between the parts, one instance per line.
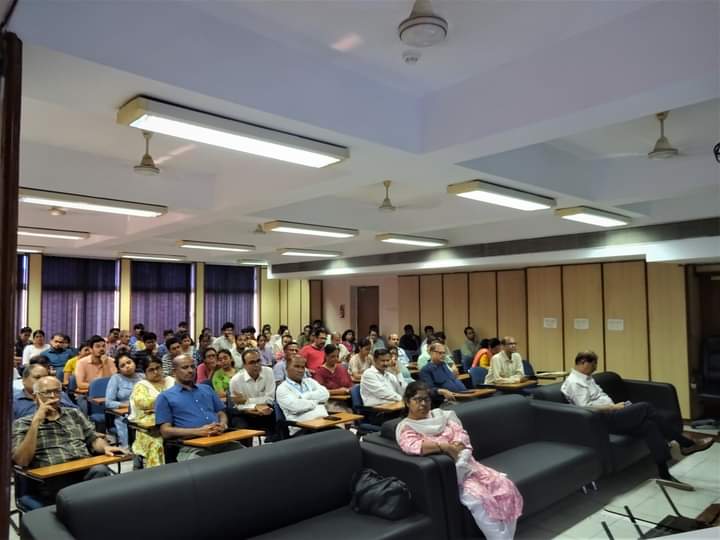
x=506 y=367
x=253 y=393
x=378 y=385
x=300 y=397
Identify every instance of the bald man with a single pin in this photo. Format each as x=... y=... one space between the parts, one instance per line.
x=506 y=367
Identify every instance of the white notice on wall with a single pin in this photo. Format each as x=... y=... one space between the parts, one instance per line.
x=549 y=322
x=616 y=325
x=581 y=324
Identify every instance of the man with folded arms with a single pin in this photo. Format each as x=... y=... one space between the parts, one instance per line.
x=640 y=419
x=55 y=434
x=441 y=381
x=301 y=398
x=506 y=367
x=379 y=386
x=189 y=410
x=253 y=392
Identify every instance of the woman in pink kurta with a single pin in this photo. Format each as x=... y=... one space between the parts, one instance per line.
x=491 y=497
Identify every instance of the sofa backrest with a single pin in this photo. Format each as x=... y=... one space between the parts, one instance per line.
x=613 y=385
x=549 y=392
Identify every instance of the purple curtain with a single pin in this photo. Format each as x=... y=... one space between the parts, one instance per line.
x=160 y=295
x=21 y=287
x=229 y=296
x=78 y=296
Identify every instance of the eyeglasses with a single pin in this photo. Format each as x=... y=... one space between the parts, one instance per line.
x=251 y=362
x=49 y=393
x=420 y=399
x=511 y=343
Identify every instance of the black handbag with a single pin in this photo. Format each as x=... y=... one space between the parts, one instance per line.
x=385 y=497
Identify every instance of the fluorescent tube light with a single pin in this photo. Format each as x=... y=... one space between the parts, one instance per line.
x=308 y=229
x=486 y=192
x=408 y=240
x=30 y=249
x=289 y=252
x=52 y=233
x=150 y=257
x=250 y=262
x=90 y=204
x=160 y=117
x=215 y=246
x=592 y=216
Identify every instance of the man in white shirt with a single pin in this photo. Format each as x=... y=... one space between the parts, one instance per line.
x=378 y=385
x=229 y=341
x=253 y=393
x=301 y=398
x=394 y=341
x=343 y=354
x=506 y=367
x=639 y=419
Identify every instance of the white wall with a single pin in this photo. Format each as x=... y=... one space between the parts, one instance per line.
x=337 y=291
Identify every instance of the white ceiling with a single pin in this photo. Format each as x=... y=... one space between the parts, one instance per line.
x=529 y=94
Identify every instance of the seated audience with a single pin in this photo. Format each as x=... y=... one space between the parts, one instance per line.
x=424 y=357
x=488 y=349
x=69 y=369
x=117 y=393
x=112 y=342
x=167 y=334
x=35 y=348
x=136 y=338
x=348 y=340
x=506 y=367
x=400 y=370
x=409 y=340
x=639 y=419
x=333 y=376
x=24 y=402
x=375 y=339
x=266 y=355
x=253 y=392
x=204 y=341
x=438 y=377
x=306 y=336
x=148 y=351
x=471 y=344
x=58 y=354
x=314 y=352
x=290 y=349
x=393 y=341
x=54 y=434
x=174 y=349
x=182 y=328
x=22 y=341
x=361 y=360
x=379 y=385
x=492 y=498
x=148 y=446
x=208 y=365
x=224 y=371
x=277 y=341
x=300 y=397
x=123 y=343
x=187 y=410
x=343 y=353
x=94 y=366
x=186 y=345
x=428 y=331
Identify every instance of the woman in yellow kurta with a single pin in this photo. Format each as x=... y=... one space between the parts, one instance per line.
x=488 y=349
x=148 y=446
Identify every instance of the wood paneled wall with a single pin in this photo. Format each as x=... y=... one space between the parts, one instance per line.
x=284 y=301
x=554 y=312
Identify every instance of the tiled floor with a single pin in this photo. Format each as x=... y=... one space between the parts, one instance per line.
x=579 y=516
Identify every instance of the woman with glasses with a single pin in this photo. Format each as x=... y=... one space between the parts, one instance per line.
x=207 y=367
x=148 y=445
x=492 y=498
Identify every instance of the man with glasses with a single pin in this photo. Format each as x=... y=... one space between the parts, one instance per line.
x=506 y=367
x=56 y=434
x=24 y=402
x=252 y=392
x=439 y=378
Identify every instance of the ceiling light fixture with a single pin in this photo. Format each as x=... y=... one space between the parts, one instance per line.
x=215 y=246
x=308 y=229
x=663 y=149
x=250 y=262
x=290 y=252
x=409 y=240
x=592 y=216
x=160 y=117
x=486 y=192
x=150 y=257
x=52 y=233
x=422 y=28
x=89 y=204
x=30 y=249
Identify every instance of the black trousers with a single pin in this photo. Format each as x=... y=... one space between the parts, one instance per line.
x=642 y=420
x=266 y=423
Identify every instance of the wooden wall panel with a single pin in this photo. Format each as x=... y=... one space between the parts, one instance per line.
x=544 y=312
x=316 y=299
x=626 y=350
x=482 y=291
x=512 y=307
x=283 y=286
x=409 y=302
x=305 y=302
x=294 y=308
x=431 y=302
x=583 y=299
x=455 y=308
x=269 y=300
x=34 y=292
x=668 y=329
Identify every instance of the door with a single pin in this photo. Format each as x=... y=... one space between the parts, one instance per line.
x=368 y=306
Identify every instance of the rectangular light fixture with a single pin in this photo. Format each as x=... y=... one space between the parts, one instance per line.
x=30 y=249
x=592 y=216
x=160 y=117
x=151 y=257
x=74 y=201
x=409 y=240
x=52 y=233
x=215 y=246
x=289 y=252
x=486 y=192
x=250 y=262
x=308 y=229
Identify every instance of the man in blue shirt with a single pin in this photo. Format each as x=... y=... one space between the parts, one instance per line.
x=24 y=403
x=58 y=354
x=438 y=376
x=188 y=410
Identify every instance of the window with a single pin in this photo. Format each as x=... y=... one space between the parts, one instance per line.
x=229 y=296
x=78 y=296
x=21 y=293
x=160 y=295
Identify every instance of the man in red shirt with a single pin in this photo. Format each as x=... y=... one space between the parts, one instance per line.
x=314 y=353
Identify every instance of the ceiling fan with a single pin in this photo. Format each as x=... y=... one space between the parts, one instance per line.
x=662 y=149
x=388 y=206
x=147 y=165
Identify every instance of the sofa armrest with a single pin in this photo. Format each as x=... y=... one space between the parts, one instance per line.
x=660 y=395
x=43 y=523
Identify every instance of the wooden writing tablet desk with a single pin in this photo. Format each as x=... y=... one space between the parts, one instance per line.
x=75 y=465
x=321 y=423
x=340 y=397
x=463 y=377
x=515 y=386
x=223 y=438
x=476 y=393
x=390 y=407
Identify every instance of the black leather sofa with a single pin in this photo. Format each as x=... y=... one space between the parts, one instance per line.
x=618 y=452
x=546 y=450
x=295 y=489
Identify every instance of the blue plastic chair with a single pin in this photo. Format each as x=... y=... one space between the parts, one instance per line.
x=467 y=363
x=528 y=369
x=25 y=500
x=358 y=407
x=72 y=385
x=96 y=412
x=477 y=376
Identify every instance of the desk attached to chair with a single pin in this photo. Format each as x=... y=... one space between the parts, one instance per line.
x=223 y=438
x=336 y=419
x=514 y=386
x=75 y=465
